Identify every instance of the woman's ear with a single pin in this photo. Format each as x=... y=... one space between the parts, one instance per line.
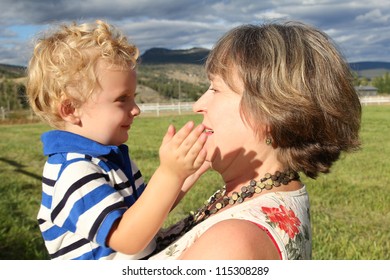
x=68 y=112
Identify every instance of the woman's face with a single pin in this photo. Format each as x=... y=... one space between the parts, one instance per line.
x=230 y=138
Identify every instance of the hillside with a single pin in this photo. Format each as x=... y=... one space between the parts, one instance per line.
x=171 y=80
x=167 y=75
x=12 y=71
x=370 y=69
x=163 y=56
x=369 y=65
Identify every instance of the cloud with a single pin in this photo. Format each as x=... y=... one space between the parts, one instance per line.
x=374 y=16
x=360 y=28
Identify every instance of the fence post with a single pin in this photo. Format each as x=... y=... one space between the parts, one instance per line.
x=2 y=113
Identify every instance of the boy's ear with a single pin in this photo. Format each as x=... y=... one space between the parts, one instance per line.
x=68 y=112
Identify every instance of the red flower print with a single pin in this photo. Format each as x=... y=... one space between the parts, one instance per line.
x=285 y=218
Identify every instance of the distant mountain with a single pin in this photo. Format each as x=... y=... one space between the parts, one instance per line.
x=369 y=65
x=197 y=56
x=167 y=56
x=12 y=71
x=367 y=69
x=370 y=69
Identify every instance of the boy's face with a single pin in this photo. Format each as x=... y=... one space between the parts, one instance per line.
x=108 y=115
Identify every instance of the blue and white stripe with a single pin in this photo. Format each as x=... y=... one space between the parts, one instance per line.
x=83 y=194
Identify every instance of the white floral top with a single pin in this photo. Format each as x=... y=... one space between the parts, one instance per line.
x=285 y=216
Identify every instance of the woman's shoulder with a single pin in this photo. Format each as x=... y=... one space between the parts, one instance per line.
x=233 y=239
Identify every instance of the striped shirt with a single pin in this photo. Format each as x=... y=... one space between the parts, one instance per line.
x=86 y=187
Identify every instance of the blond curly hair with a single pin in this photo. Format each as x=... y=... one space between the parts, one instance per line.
x=63 y=64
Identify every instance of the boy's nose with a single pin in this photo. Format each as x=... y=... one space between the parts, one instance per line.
x=135 y=111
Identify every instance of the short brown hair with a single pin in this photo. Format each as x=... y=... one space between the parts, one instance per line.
x=297 y=83
x=63 y=65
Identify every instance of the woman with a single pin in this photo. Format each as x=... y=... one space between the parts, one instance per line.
x=281 y=101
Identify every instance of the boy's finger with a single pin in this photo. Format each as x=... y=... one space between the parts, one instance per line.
x=191 y=140
x=169 y=134
x=196 y=148
x=183 y=133
x=200 y=159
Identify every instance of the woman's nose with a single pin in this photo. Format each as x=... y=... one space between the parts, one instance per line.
x=200 y=105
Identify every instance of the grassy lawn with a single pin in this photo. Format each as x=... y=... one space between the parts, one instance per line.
x=350 y=206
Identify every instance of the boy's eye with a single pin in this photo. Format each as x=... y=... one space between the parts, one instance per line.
x=123 y=98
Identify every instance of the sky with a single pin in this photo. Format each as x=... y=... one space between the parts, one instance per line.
x=361 y=29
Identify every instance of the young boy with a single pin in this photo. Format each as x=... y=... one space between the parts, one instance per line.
x=81 y=80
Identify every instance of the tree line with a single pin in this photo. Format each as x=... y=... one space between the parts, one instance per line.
x=13 y=94
x=382 y=83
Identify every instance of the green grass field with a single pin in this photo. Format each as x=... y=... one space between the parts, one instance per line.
x=350 y=206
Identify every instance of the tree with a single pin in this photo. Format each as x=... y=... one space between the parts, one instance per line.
x=382 y=83
x=12 y=95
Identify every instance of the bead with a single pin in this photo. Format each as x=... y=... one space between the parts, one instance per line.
x=269 y=182
x=219 y=205
x=252 y=183
x=235 y=196
x=225 y=199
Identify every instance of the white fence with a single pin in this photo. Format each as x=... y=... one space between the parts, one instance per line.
x=158 y=108
x=375 y=100
x=182 y=107
x=186 y=107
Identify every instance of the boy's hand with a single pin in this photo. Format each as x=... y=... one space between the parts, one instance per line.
x=182 y=153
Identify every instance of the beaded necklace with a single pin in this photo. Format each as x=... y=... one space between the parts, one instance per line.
x=268 y=182
x=212 y=206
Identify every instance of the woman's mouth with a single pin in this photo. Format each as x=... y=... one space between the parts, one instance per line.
x=208 y=131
